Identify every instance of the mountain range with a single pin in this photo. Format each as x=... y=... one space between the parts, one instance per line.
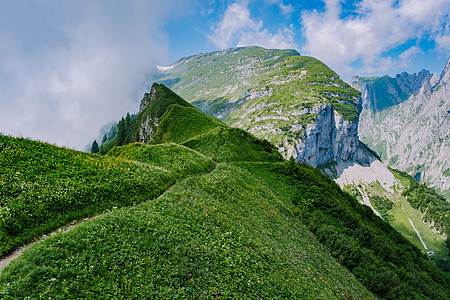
x=406 y=120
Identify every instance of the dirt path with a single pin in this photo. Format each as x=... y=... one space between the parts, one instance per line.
x=418 y=235
x=7 y=259
x=15 y=254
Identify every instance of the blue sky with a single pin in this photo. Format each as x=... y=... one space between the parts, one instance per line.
x=69 y=67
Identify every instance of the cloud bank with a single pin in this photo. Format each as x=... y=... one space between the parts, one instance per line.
x=69 y=67
x=238 y=28
x=376 y=27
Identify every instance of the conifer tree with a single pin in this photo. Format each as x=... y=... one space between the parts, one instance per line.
x=121 y=132
x=94 y=147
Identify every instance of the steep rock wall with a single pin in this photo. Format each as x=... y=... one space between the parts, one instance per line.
x=328 y=138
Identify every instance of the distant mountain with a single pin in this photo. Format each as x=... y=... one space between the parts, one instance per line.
x=296 y=102
x=406 y=120
x=379 y=93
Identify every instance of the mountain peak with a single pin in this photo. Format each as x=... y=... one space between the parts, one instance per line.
x=445 y=75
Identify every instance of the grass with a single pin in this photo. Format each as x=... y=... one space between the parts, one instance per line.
x=225 y=234
x=233 y=144
x=177 y=131
x=43 y=187
x=179 y=159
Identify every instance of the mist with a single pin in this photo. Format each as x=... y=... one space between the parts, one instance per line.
x=67 y=68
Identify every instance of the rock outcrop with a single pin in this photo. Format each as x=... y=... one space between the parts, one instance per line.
x=153 y=105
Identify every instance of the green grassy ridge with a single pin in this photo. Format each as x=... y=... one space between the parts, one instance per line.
x=233 y=144
x=224 y=234
x=43 y=187
x=209 y=136
x=243 y=219
x=181 y=123
x=179 y=159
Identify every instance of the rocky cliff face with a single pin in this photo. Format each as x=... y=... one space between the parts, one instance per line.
x=295 y=102
x=414 y=135
x=329 y=137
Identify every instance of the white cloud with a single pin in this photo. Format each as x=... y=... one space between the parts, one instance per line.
x=285 y=9
x=237 y=28
x=377 y=27
x=406 y=57
x=443 y=39
x=79 y=67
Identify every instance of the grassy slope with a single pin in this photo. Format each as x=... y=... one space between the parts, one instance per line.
x=42 y=187
x=415 y=202
x=179 y=159
x=224 y=233
x=235 y=231
x=211 y=137
x=221 y=234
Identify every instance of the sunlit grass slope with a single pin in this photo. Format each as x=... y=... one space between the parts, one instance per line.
x=179 y=159
x=209 y=136
x=42 y=187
